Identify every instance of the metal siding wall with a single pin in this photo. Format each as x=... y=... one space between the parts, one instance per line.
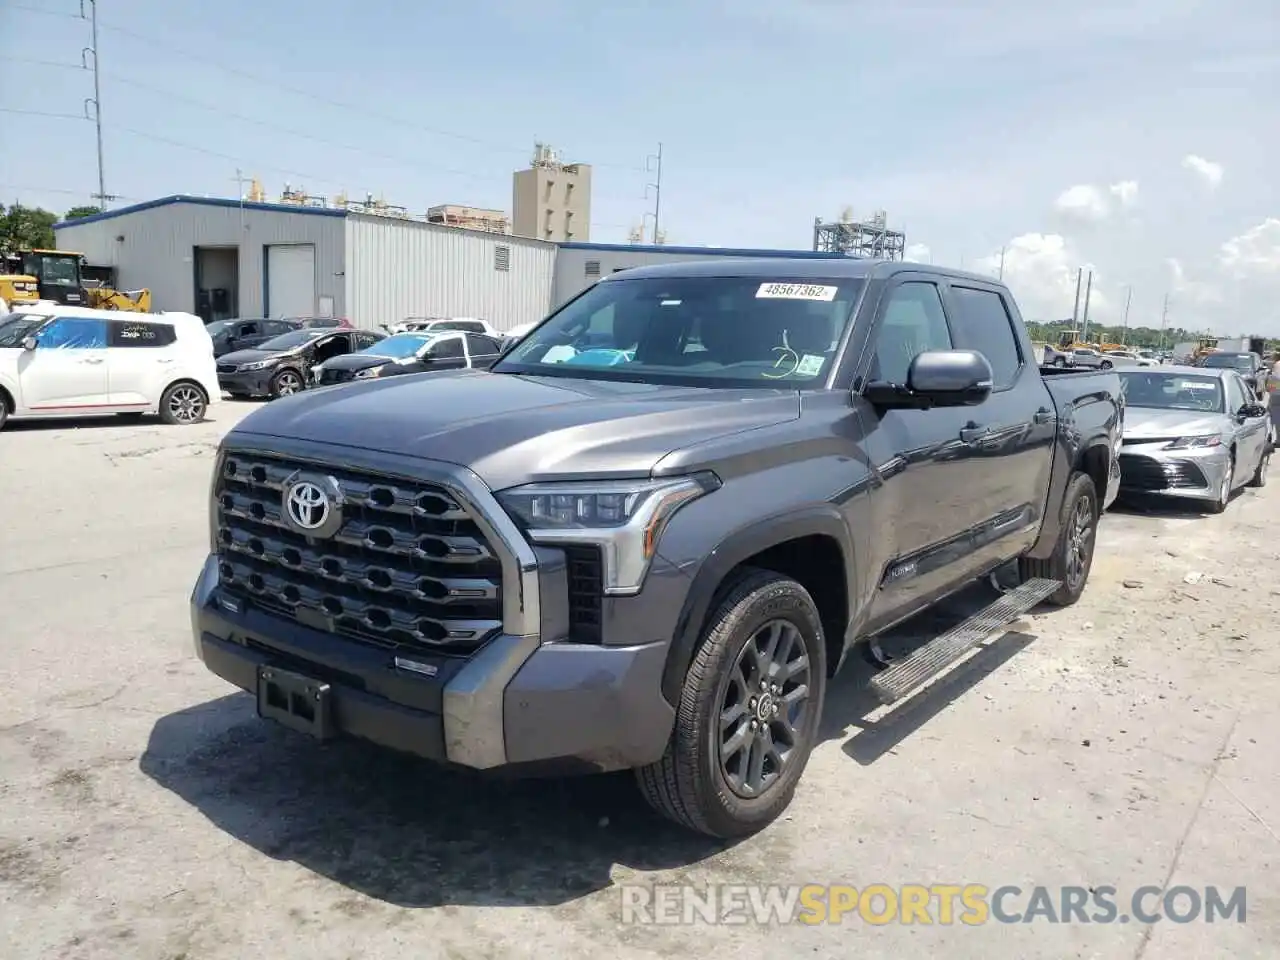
x=398 y=269
x=156 y=251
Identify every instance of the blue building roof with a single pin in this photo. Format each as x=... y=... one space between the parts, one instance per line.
x=699 y=251
x=204 y=202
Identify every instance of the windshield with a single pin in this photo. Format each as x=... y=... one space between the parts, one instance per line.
x=1172 y=391
x=1227 y=361
x=16 y=327
x=701 y=331
x=59 y=271
x=399 y=346
x=294 y=338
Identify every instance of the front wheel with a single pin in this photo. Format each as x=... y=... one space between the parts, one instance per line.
x=1106 y=364
x=1219 y=504
x=286 y=383
x=4 y=406
x=1072 y=556
x=748 y=713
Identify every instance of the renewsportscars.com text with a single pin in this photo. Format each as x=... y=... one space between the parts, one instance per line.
x=970 y=904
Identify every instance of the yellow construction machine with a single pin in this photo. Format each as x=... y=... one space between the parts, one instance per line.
x=62 y=276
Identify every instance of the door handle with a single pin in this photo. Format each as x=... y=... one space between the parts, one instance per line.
x=973 y=432
x=91 y=360
x=1043 y=415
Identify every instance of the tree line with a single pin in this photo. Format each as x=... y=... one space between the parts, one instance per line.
x=23 y=228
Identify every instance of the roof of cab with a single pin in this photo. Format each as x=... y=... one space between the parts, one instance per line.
x=774 y=268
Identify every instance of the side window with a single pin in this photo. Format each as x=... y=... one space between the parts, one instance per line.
x=131 y=333
x=364 y=340
x=481 y=346
x=248 y=330
x=982 y=323
x=911 y=323
x=74 y=333
x=472 y=326
x=274 y=328
x=448 y=348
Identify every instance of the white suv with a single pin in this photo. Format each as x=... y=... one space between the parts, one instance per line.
x=58 y=361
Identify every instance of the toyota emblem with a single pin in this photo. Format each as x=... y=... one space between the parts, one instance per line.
x=308 y=505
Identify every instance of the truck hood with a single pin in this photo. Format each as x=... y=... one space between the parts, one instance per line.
x=1141 y=423
x=513 y=429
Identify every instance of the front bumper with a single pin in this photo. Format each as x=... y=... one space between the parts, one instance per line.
x=253 y=383
x=1194 y=474
x=520 y=702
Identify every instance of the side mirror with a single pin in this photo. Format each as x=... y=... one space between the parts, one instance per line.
x=1251 y=410
x=28 y=343
x=936 y=378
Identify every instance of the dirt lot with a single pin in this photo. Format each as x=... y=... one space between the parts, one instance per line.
x=146 y=813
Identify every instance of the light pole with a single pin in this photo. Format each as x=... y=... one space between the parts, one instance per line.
x=1124 y=337
x=654 y=164
x=96 y=99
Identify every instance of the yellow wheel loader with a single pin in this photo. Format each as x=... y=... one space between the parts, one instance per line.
x=59 y=276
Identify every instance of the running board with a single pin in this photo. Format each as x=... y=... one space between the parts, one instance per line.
x=942 y=651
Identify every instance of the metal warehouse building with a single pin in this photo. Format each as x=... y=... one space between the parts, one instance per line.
x=224 y=258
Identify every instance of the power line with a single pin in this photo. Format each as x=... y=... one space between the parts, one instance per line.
x=43 y=113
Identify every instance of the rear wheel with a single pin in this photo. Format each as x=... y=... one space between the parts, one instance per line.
x=183 y=404
x=4 y=409
x=748 y=712
x=1072 y=556
x=1106 y=364
x=286 y=383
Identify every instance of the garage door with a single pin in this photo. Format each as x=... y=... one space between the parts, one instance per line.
x=291 y=280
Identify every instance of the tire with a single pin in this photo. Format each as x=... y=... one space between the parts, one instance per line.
x=1224 y=491
x=183 y=404
x=1259 y=478
x=1072 y=556
x=1106 y=365
x=4 y=409
x=694 y=784
x=286 y=383
x=1059 y=362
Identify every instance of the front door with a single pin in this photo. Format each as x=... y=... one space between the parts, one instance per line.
x=67 y=371
x=926 y=489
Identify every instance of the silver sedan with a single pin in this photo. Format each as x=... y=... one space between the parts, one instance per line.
x=1192 y=432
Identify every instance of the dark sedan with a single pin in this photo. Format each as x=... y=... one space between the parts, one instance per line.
x=1250 y=366
x=243 y=333
x=282 y=366
x=410 y=353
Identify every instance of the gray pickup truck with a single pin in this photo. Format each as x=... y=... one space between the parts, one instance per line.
x=647 y=537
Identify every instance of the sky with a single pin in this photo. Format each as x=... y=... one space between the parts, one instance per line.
x=1137 y=140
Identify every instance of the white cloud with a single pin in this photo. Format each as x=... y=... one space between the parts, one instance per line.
x=1255 y=253
x=1210 y=171
x=1082 y=202
x=918 y=253
x=1040 y=269
x=1126 y=191
x=1187 y=289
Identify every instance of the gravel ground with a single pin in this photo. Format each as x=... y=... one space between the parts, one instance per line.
x=146 y=813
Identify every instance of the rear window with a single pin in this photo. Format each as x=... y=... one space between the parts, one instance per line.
x=140 y=334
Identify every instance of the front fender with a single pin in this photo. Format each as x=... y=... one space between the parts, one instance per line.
x=731 y=551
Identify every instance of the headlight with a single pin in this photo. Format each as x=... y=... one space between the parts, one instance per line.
x=367 y=372
x=256 y=365
x=1194 y=443
x=625 y=518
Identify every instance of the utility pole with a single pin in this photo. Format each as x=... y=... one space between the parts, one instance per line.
x=1124 y=337
x=1164 y=315
x=1001 y=274
x=101 y=196
x=651 y=164
x=1084 y=321
x=1075 y=311
x=240 y=180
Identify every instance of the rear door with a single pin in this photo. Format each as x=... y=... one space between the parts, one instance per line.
x=482 y=351
x=67 y=371
x=1251 y=432
x=140 y=361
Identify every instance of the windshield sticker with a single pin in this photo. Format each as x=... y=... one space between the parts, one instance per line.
x=797 y=291
x=809 y=365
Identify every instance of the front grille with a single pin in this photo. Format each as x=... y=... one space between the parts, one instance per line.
x=1147 y=473
x=226 y=368
x=407 y=567
x=586 y=592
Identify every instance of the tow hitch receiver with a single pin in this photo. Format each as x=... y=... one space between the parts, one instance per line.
x=296 y=701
